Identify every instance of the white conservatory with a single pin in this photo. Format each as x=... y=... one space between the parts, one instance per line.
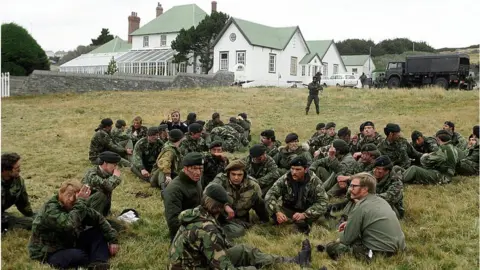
x=150 y=62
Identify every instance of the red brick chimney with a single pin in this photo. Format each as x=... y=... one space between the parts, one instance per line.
x=133 y=24
x=159 y=9
x=214 y=6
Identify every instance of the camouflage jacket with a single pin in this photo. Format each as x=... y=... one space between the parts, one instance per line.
x=212 y=166
x=313 y=202
x=118 y=135
x=145 y=154
x=169 y=161
x=15 y=193
x=191 y=145
x=362 y=140
x=340 y=165
x=237 y=127
x=320 y=141
x=459 y=141
x=274 y=149
x=397 y=151
x=315 y=141
x=137 y=134
x=390 y=188
x=284 y=156
x=241 y=198
x=232 y=140
x=429 y=145
x=210 y=125
x=200 y=243
x=102 y=141
x=444 y=160
x=54 y=228
x=265 y=173
x=473 y=154
x=365 y=167
x=245 y=124
x=100 y=180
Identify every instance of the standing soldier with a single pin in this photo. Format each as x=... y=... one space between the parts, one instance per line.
x=313 y=88
x=363 y=79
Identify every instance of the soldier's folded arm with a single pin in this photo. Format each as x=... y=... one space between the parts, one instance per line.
x=67 y=221
x=107 y=185
x=94 y=218
x=113 y=146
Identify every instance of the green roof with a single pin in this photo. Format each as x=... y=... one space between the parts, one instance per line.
x=317 y=47
x=262 y=35
x=354 y=60
x=115 y=45
x=173 y=20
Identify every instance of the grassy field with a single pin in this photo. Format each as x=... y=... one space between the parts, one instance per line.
x=52 y=133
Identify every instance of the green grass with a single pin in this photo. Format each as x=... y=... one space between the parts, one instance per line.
x=52 y=133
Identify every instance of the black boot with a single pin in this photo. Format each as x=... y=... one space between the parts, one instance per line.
x=305 y=255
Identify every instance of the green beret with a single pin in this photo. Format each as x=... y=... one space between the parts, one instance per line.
x=444 y=135
x=195 y=128
x=340 y=146
x=193 y=159
x=216 y=144
x=162 y=127
x=330 y=125
x=320 y=126
x=369 y=147
x=291 y=137
x=109 y=157
x=217 y=192
x=152 y=131
x=175 y=135
x=257 y=150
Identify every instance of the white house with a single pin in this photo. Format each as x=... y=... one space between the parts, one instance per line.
x=271 y=56
x=359 y=64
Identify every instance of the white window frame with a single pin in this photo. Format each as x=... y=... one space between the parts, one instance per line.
x=293 y=66
x=146 y=40
x=272 y=63
x=163 y=40
x=239 y=56
x=223 y=62
x=335 y=68
x=325 y=69
x=303 y=70
x=355 y=70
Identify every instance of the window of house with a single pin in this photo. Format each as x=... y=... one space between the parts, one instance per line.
x=354 y=70
x=163 y=40
x=241 y=57
x=145 y=41
x=272 y=63
x=223 y=60
x=182 y=67
x=293 y=66
x=335 y=68
x=303 y=70
x=325 y=69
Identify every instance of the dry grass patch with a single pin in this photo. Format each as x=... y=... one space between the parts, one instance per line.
x=52 y=133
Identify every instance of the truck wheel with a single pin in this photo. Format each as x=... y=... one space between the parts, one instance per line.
x=442 y=83
x=393 y=82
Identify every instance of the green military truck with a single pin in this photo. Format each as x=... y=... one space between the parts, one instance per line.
x=443 y=70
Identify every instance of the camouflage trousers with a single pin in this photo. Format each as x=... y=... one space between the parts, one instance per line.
x=101 y=202
x=235 y=228
x=336 y=249
x=10 y=221
x=467 y=168
x=242 y=255
x=419 y=175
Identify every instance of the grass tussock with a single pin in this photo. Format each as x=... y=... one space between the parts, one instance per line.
x=52 y=133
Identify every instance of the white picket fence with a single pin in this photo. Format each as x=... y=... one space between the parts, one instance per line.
x=5 y=84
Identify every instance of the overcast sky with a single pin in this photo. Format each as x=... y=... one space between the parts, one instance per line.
x=65 y=24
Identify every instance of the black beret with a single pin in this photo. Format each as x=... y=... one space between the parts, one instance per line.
x=320 y=126
x=109 y=157
x=175 y=135
x=330 y=125
x=215 y=115
x=201 y=122
x=383 y=161
x=340 y=146
x=191 y=116
x=369 y=147
x=450 y=124
x=476 y=130
x=257 y=150
x=368 y=123
x=195 y=128
x=215 y=144
x=390 y=127
x=415 y=135
x=162 y=127
x=107 y=122
x=120 y=123
x=344 y=132
x=444 y=135
x=217 y=192
x=193 y=159
x=291 y=137
x=235 y=165
x=269 y=133
x=233 y=120
x=152 y=131
x=362 y=127
x=243 y=115
x=299 y=161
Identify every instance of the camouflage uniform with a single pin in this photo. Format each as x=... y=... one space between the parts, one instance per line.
x=284 y=196
x=459 y=141
x=169 y=161
x=231 y=139
x=438 y=167
x=362 y=140
x=322 y=141
x=101 y=142
x=284 y=156
x=469 y=164
x=246 y=125
x=213 y=166
x=429 y=145
x=56 y=229
x=241 y=198
x=397 y=151
x=210 y=125
x=136 y=134
x=200 y=243
x=192 y=145
x=145 y=156
x=265 y=173
x=273 y=151
x=102 y=185
x=121 y=138
x=15 y=193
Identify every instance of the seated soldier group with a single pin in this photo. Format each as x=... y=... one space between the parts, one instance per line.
x=208 y=198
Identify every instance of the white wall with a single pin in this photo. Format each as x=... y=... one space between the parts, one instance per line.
x=364 y=68
x=225 y=45
x=359 y=70
x=333 y=57
x=153 y=41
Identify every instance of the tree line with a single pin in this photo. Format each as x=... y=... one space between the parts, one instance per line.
x=388 y=46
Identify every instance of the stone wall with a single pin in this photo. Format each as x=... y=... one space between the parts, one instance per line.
x=47 y=82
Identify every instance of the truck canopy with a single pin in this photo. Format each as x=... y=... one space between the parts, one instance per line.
x=439 y=63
